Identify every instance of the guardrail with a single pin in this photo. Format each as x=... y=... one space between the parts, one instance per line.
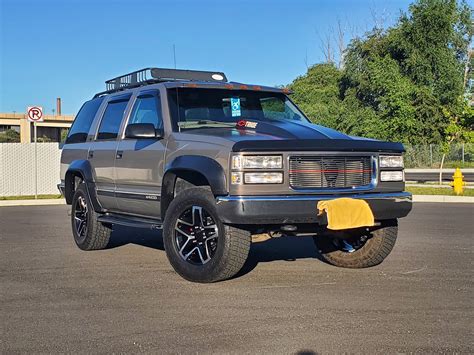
x=428 y=175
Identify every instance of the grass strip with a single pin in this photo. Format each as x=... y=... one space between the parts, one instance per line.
x=416 y=190
x=30 y=197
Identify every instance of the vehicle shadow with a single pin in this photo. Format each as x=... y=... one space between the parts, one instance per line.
x=275 y=249
x=279 y=249
x=126 y=235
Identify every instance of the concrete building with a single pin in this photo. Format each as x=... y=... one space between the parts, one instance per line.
x=50 y=128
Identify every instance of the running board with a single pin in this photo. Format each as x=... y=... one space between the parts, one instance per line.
x=131 y=221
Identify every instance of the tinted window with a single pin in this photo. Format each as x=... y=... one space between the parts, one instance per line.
x=147 y=109
x=110 y=124
x=80 y=128
x=196 y=108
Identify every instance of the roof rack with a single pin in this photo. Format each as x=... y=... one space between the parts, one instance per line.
x=158 y=75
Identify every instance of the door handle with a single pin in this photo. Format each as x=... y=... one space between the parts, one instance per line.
x=119 y=154
x=91 y=154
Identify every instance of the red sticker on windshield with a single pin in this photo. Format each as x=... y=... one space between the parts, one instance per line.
x=246 y=124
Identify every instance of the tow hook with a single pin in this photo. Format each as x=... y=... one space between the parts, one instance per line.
x=289 y=228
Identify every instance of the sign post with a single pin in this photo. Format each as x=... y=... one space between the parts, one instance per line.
x=35 y=114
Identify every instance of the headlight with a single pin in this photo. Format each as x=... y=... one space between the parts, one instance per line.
x=257 y=162
x=391 y=161
x=391 y=176
x=263 y=178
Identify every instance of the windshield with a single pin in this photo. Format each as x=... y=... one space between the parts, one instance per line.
x=195 y=108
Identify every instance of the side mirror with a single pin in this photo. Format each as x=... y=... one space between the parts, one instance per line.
x=141 y=131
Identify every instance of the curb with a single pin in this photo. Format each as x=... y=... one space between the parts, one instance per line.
x=443 y=198
x=40 y=202
x=468 y=185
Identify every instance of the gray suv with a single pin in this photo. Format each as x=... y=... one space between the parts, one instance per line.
x=212 y=162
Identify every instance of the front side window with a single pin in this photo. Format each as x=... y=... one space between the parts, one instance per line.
x=147 y=109
x=196 y=107
x=110 y=124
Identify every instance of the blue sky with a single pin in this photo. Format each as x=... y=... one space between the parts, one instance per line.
x=68 y=48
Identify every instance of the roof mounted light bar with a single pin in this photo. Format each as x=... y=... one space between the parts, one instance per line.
x=154 y=75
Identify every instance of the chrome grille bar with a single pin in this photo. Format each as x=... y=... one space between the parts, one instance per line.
x=316 y=172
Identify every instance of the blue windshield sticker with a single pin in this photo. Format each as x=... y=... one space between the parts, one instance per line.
x=235 y=106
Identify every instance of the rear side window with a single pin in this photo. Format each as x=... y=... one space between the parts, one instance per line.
x=80 y=128
x=110 y=124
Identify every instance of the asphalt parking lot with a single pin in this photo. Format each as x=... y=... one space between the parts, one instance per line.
x=56 y=298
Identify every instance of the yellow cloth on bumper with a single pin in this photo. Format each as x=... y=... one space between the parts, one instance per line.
x=346 y=213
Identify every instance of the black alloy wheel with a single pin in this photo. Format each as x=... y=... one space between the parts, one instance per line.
x=196 y=235
x=80 y=218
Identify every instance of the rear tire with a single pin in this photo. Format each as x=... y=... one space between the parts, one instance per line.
x=198 y=245
x=88 y=232
x=358 y=249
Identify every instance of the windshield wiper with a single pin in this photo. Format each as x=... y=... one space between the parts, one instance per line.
x=186 y=124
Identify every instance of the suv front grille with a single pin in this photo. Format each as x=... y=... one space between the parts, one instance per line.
x=333 y=172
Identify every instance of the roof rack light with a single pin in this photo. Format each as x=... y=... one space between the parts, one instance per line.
x=154 y=75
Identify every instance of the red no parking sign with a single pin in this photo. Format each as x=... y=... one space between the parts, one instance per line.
x=35 y=114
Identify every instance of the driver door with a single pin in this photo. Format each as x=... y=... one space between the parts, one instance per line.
x=139 y=163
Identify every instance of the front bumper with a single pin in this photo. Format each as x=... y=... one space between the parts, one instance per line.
x=302 y=209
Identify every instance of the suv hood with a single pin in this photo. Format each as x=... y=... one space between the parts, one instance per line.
x=294 y=136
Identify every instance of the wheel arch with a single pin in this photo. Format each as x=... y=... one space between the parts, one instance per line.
x=81 y=169
x=197 y=171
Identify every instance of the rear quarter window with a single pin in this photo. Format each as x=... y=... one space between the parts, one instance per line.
x=83 y=121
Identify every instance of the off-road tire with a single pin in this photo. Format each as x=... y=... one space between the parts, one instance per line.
x=233 y=244
x=373 y=252
x=97 y=235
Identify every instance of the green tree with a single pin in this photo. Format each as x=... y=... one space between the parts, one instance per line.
x=10 y=136
x=459 y=129
x=64 y=133
x=317 y=94
x=431 y=45
x=44 y=139
x=404 y=83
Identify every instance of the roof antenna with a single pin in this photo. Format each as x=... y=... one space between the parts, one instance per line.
x=174 y=55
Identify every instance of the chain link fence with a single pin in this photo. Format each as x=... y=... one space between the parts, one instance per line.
x=459 y=155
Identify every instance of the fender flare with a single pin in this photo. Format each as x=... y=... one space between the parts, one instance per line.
x=83 y=169
x=208 y=167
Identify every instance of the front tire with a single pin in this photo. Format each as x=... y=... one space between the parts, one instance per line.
x=198 y=245
x=88 y=232
x=358 y=249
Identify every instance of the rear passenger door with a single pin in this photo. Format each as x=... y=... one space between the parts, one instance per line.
x=139 y=162
x=103 y=149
